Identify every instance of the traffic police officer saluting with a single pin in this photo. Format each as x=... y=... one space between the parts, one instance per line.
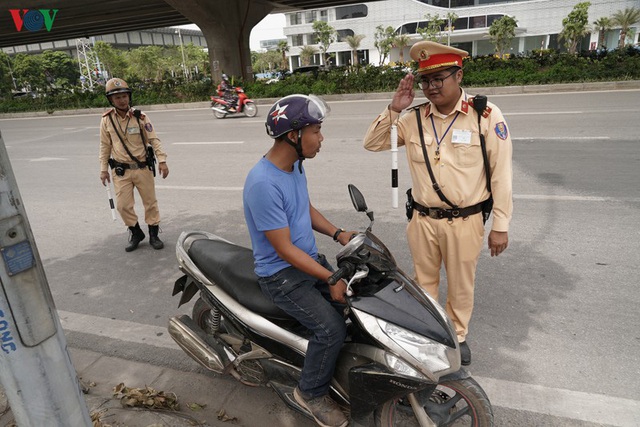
x=125 y=135
x=451 y=231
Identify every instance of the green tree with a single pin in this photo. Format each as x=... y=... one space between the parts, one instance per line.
x=325 y=35
x=146 y=62
x=113 y=60
x=383 y=41
x=401 y=41
x=602 y=25
x=6 y=70
x=502 y=31
x=282 y=49
x=268 y=61
x=625 y=19
x=45 y=72
x=433 y=30
x=354 y=43
x=306 y=54
x=575 y=26
x=196 y=58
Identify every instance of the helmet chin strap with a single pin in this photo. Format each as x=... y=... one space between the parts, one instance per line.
x=298 y=148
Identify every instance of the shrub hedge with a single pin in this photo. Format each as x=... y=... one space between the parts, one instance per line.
x=540 y=67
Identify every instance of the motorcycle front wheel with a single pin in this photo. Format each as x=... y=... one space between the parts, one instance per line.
x=218 y=114
x=453 y=403
x=250 y=109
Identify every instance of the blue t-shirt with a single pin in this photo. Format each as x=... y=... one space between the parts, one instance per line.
x=275 y=199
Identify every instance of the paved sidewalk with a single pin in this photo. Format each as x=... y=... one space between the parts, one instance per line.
x=205 y=399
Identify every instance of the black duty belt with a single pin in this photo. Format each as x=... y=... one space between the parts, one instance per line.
x=132 y=166
x=437 y=213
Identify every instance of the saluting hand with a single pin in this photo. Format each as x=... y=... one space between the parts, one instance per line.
x=404 y=94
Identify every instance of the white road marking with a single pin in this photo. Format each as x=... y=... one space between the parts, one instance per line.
x=570 y=198
x=207 y=143
x=562 y=138
x=46 y=159
x=576 y=405
x=197 y=188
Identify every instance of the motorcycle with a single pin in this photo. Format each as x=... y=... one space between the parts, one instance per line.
x=221 y=106
x=400 y=363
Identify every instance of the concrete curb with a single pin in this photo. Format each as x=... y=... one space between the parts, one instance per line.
x=499 y=90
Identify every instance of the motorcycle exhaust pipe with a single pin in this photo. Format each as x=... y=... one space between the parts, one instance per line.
x=188 y=336
x=220 y=110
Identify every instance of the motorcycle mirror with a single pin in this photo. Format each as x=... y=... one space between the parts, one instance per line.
x=358 y=202
x=357 y=198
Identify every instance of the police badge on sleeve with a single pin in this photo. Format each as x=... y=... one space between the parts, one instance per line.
x=501 y=130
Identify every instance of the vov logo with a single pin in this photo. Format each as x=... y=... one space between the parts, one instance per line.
x=33 y=19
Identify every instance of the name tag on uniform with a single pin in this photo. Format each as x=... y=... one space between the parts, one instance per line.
x=460 y=136
x=133 y=130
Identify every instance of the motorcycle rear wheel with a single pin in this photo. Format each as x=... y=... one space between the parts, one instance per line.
x=218 y=114
x=250 y=109
x=453 y=403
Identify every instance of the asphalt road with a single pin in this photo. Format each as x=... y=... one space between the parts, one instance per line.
x=555 y=333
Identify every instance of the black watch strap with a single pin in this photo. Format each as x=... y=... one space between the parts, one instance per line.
x=337 y=233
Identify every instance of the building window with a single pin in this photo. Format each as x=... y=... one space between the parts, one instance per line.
x=312 y=38
x=296 y=40
x=323 y=16
x=478 y=21
x=461 y=24
x=309 y=16
x=349 y=12
x=295 y=18
x=344 y=33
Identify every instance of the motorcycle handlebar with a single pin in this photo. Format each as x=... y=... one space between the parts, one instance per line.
x=341 y=273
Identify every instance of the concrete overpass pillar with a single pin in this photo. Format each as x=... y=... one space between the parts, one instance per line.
x=226 y=25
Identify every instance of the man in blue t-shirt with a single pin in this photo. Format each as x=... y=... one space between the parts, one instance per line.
x=281 y=222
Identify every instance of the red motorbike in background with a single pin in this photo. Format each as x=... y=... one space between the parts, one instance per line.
x=222 y=107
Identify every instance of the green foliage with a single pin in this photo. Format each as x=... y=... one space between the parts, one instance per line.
x=625 y=19
x=502 y=31
x=540 y=67
x=383 y=41
x=433 y=30
x=325 y=34
x=575 y=26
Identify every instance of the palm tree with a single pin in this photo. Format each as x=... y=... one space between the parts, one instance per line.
x=401 y=41
x=625 y=19
x=283 y=48
x=354 y=44
x=306 y=53
x=602 y=25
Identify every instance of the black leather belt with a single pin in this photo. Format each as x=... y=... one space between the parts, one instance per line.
x=437 y=213
x=132 y=166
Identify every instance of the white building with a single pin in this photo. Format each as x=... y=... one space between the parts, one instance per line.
x=539 y=23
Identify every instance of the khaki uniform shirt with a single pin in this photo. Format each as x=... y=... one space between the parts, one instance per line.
x=460 y=169
x=130 y=132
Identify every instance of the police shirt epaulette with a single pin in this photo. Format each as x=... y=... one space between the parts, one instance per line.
x=133 y=112
x=486 y=111
x=417 y=107
x=106 y=113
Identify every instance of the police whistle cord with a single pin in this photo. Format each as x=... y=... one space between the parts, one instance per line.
x=111 y=204
x=394 y=166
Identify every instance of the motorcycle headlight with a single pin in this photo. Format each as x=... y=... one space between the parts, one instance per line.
x=431 y=354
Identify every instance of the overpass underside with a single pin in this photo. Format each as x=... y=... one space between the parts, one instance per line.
x=225 y=24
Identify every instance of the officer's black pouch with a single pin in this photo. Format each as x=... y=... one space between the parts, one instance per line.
x=151 y=159
x=409 y=205
x=111 y=163
x=487 y=207
x=119 y=170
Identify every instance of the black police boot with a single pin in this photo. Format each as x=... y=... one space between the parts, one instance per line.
x=154 y=240
x=465 y=354
x=135 y=237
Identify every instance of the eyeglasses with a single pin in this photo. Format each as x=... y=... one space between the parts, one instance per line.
x=435 y=83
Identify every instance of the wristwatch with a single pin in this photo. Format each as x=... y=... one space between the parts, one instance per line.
x=337 y=233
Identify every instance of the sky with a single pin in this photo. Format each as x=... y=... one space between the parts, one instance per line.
x=269 y=28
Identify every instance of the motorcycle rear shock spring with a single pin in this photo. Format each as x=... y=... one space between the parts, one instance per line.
x=213 y=319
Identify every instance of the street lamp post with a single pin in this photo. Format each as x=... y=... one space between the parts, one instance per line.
x=449 y=25
x=184 y=67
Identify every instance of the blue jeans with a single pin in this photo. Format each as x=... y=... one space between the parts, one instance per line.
x=307 y=299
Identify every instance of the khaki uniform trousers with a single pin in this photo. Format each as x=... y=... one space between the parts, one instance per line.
x=141 y=179
x=458 y=244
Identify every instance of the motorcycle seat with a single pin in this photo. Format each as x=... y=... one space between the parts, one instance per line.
x=231 y=267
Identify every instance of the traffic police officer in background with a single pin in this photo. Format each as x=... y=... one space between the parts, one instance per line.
x=125 y=135
x=439 y=231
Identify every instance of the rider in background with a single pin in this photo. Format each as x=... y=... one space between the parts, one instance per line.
x=229 y=93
